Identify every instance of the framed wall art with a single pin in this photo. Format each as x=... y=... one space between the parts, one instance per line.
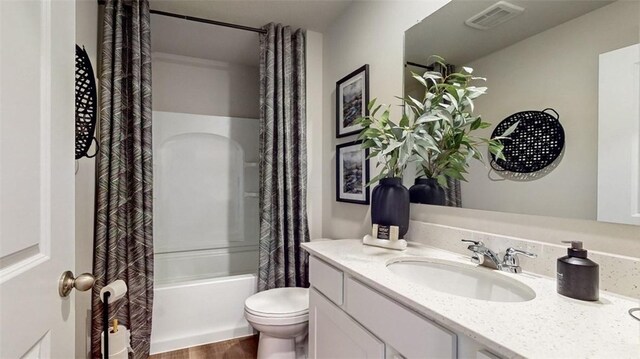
x=352 y=97
x=352 y=173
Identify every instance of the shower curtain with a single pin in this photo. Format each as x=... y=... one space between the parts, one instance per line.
x=283 y=159
x=123 y=247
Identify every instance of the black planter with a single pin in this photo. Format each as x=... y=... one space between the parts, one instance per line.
x=390 y=204
x=427 y=191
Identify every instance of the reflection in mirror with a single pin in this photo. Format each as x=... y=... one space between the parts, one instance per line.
x=578 y=58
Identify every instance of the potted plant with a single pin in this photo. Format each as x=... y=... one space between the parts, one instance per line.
x=444 y=126
x=393 y=146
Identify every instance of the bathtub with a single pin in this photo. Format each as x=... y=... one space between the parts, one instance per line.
x=205 y=227
x=200 y=312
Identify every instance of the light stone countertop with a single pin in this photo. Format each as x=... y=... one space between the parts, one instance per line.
x=549 y=326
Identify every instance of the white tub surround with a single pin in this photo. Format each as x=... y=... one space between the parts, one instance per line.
x=548 y=325
x=205 y=196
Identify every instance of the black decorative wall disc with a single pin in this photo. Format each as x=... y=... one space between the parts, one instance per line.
x=85 y=104
x=536 y=143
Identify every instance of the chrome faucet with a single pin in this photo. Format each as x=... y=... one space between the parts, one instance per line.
x=483 y=255
x=488 y=258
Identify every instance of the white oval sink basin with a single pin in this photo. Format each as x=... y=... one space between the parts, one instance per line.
x=477 y=283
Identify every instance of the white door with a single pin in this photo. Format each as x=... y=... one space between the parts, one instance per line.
x=619 y=136
x=37 y=60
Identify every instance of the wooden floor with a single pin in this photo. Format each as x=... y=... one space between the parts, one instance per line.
x=241 y=348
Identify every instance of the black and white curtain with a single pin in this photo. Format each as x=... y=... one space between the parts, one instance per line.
x=283 y=159
x=123 y=244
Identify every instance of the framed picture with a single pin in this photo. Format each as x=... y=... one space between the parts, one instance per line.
x=352 y=173
x=352 y=97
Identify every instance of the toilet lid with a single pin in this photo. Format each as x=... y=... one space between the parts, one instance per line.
x=279 y=302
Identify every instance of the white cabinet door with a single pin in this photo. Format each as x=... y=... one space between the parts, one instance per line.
x=409 y=333
x=37 y=59
x=333 y=334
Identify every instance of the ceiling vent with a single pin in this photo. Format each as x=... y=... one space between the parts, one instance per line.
x=494 y=15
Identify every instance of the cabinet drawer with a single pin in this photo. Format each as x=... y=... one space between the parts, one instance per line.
x=326 y=279
x=412 y=335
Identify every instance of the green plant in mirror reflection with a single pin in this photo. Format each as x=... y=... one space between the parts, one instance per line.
x=436 y=131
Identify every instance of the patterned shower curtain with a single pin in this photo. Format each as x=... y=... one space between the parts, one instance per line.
x=123 y=247
x=283 y=161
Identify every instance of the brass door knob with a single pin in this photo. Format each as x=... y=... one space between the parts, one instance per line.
x=67 y=282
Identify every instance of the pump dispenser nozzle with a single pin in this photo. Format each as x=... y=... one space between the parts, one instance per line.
x=576 y=249
x=574 y=244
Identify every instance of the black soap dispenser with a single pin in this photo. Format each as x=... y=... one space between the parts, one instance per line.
x=578 y=276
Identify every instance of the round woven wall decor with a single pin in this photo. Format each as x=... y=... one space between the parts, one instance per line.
x=85 y=104
x=535 y=144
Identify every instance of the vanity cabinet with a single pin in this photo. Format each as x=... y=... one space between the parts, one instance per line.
x=349 y=319
x=333 y=334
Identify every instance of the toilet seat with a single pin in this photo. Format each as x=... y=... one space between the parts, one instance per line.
x=264 y=320
x=279 y=306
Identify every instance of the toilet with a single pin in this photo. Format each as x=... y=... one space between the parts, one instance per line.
x=281 y=315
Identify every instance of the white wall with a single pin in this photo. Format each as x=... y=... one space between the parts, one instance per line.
x=205 y=87
x=87 y=36
x=557 y=68
x=315 y=175
x=367 y=33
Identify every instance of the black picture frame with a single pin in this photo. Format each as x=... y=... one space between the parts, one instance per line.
x=364 y=197
x=357 y=82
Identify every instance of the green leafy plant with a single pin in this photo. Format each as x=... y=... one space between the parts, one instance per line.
x=392 y=144
x=437 y=131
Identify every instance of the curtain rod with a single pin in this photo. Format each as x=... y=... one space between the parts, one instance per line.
x=205 y=21
x=409 y=63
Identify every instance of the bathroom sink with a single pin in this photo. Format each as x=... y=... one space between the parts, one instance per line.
x=465 y=281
